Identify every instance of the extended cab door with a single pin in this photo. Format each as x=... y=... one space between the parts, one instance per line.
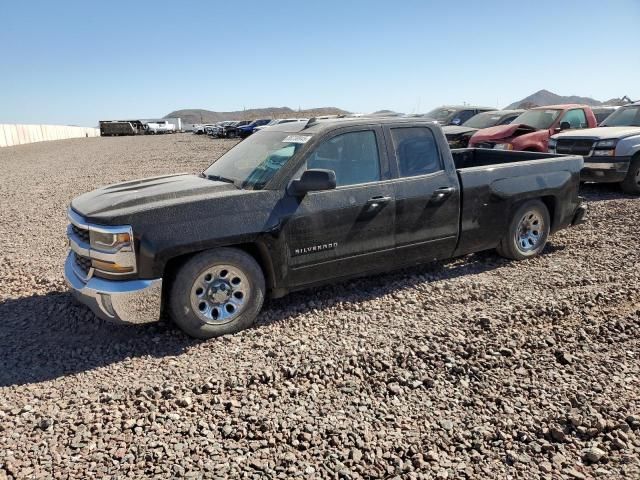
x=348 y=230
x=427 y=194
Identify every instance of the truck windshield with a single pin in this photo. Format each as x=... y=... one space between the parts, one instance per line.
x=483 y=120
x=254 y=161
x=623 y=117
x=539 y=119
x=441 y=114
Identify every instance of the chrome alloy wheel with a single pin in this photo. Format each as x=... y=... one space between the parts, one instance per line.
x=220 y=294
x=530 y=231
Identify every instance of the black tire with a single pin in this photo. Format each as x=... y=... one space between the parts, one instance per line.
x=631 y=183
x=527 y=233
x=183 y=298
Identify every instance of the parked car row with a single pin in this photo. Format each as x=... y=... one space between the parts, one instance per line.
x=244 y=128
x=608 y=137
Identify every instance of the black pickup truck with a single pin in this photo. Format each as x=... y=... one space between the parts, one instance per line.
x=303 y=204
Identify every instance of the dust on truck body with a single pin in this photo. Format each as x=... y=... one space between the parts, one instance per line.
x=302 y=204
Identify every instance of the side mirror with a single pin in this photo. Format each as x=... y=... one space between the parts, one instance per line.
x=565 y=126
x=314 y=180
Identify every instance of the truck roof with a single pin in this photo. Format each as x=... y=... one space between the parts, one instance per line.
x=315 y=126
x=465 y=107
x=562 y=106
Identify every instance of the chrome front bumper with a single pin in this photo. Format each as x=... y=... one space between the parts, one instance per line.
x=124 y=301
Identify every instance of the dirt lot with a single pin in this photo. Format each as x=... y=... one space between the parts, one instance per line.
x=473 y=368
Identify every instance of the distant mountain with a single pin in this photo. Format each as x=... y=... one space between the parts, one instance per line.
x=545 y=97
x=207 y=116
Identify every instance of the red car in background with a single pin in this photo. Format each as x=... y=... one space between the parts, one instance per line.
x=532 y=129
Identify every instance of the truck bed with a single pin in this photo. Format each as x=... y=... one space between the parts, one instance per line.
x=494 y=182
x=482 y=157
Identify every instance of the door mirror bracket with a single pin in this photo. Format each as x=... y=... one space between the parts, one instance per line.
x=313 y=180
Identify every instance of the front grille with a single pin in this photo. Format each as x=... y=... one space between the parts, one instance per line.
x=81 y=233
x=83 y=262
x=574 y=146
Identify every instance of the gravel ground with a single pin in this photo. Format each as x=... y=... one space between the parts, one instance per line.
x=472 y=368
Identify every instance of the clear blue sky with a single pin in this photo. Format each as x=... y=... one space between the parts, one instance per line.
x=76 y=62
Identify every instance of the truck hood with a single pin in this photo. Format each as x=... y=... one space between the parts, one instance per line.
x=454 y=130
x=117 y=203
x=502 y=132
x=602 y=133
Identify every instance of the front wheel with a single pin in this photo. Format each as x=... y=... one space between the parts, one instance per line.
x=527 y=232
x=217 y=292
x=631 y=183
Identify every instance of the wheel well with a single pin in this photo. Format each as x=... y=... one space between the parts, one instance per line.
x=258 y=253
x=550 y=203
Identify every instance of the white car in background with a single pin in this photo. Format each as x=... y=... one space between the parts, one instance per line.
x=155 y=128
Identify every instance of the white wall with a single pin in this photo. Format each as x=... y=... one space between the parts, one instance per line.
x=20 y=134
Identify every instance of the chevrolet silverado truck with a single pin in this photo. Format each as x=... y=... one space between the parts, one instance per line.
x=531 y=131
x=302 y=204
x=611 y=152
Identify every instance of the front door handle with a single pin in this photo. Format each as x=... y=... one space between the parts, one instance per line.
x=442 y=193
x=374 y=203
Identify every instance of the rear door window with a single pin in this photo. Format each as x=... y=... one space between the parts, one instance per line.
x=416 y=151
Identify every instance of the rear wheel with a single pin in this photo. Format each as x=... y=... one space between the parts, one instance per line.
x=217 y=292
x=527 y=232
x=631 y=183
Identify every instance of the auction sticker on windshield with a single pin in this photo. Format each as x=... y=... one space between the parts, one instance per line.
x=297 y=139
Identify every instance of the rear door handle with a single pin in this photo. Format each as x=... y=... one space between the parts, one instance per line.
x=442 y=193
x=377 y=202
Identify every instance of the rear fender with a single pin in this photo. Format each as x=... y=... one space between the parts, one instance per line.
x=517 y=190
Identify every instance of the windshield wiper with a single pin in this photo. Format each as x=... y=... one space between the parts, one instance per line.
x=219 y=178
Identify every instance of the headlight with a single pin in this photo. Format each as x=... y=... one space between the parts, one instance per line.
x=605 y=148
x=606 y=144
x=503 y=146
x=109 y=241
x=552 y=143
x=112 y=249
